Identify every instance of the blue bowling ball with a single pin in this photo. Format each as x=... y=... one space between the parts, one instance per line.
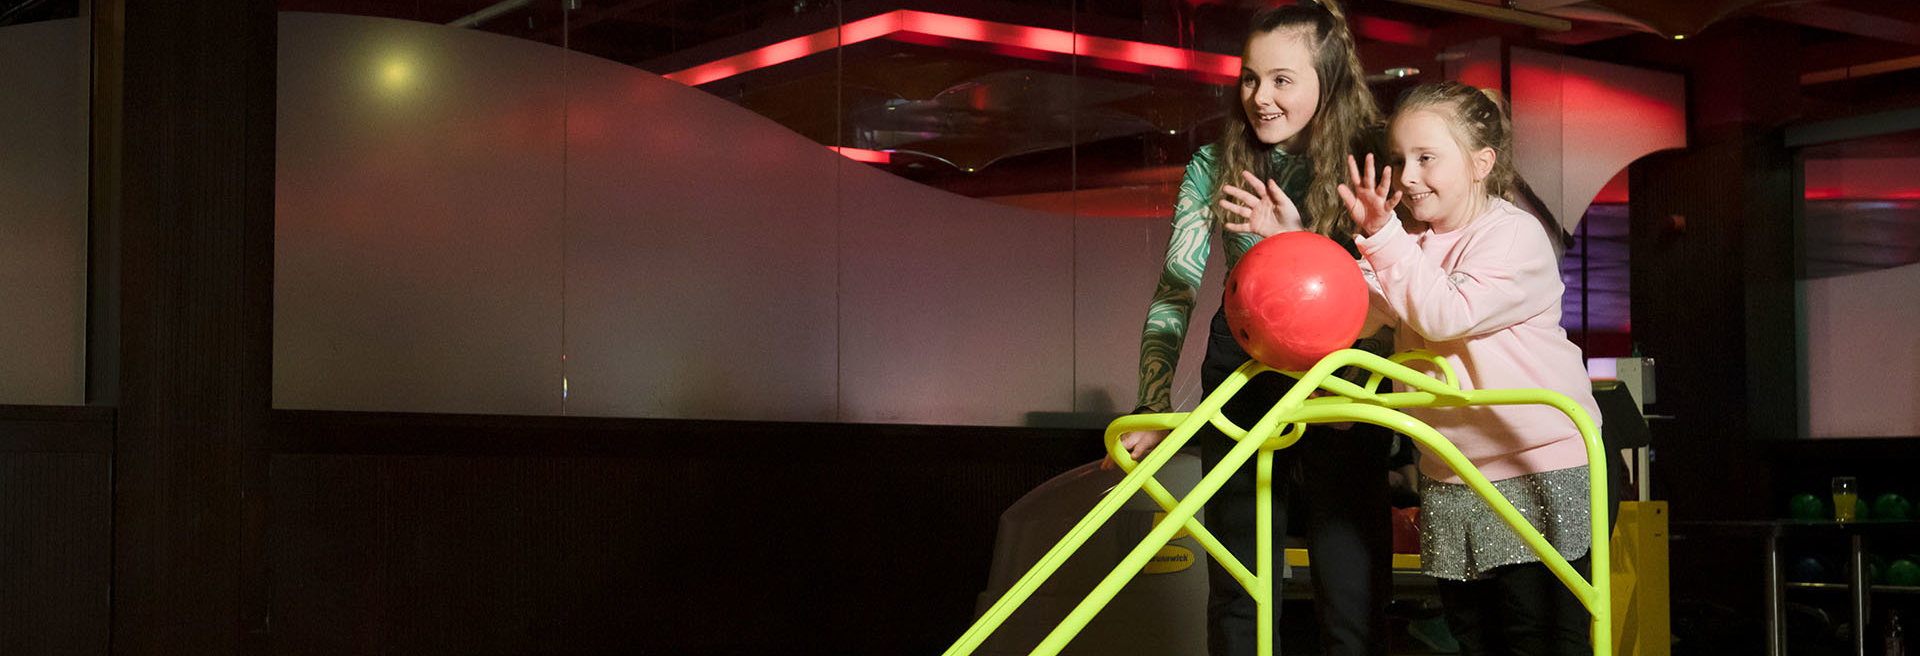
x=1807 y=570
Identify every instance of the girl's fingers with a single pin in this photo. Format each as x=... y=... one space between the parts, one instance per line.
x=1279 y=195
x=1370 y=171
x=1353 y=171
x=1354 y=206
x=1386 y=181
x=1243 y=195
x=1253 y=182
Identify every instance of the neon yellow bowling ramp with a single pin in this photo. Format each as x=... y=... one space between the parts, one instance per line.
x=1279 y=429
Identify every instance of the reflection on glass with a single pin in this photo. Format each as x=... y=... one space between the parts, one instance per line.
x=22 y=13
x=543 y=21
x=1861 y=250
x=1596 y=310
x=1862 y=205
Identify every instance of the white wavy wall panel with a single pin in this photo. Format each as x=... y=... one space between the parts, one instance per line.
x=43 y=212
x=418 y=209
x=954 y=310
x=1577 y=123
x=458 y=211
x=700 y=255
x=1863 y=355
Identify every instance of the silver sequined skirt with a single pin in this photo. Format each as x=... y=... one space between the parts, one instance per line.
x=1462 y=539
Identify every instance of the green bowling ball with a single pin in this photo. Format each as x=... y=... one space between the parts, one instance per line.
x=1893 y=507
x=1807 y=506
x=1903 y=572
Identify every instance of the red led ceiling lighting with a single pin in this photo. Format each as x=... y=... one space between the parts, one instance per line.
x=864 y=155
x=920 y=26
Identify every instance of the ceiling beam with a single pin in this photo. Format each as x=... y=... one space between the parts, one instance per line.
x=1492 y=12
x=1850 y=52
x=1848 y=21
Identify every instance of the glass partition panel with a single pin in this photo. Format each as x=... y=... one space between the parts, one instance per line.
x=44 y=122
x=1157 y=83
x=418 y=245
x=700 y=265
x=1861 y=252
x=799 y=210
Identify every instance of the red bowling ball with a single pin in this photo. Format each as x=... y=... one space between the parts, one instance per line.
x=1294 y=298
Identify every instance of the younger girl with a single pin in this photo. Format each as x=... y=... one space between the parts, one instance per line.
x=1475 y=279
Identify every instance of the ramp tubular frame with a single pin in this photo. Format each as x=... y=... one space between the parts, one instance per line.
x=1279 y=428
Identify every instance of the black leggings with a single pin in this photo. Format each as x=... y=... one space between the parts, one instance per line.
x=1348 y=524
x=1523 y=610
x=1517 y=609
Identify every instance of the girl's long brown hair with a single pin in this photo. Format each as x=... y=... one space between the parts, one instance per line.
x=1345 y=122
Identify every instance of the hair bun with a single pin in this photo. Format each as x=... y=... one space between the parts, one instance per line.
x=1498 y=99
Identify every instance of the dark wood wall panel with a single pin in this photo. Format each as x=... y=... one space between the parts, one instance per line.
x=55 y=531
x=193 y=376
x=638 y=537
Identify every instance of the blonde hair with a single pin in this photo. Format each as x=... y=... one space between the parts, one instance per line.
x=1479 y=118
x=1342 y=124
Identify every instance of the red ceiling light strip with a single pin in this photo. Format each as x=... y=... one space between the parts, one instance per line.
x=908 y=24
x=864 y=155
x=788 y=50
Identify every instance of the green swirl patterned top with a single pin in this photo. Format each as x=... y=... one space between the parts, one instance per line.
x=1173 y=297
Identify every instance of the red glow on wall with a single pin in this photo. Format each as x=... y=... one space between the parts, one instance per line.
x=1843 y=193
x=1482 y=74
x=1018 y=40
x=1646 y=112
x=864 y=155
x=1615 y=192
x=1862 y=178
x=1390 y=31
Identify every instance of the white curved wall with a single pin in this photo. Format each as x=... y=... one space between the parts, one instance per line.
x=1577 y=123
x=458 y=212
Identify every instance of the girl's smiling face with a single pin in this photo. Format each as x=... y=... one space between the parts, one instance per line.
x=1440 y=180
x=1279 y=87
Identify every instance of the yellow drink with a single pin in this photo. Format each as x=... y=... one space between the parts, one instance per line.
x=1843 y=506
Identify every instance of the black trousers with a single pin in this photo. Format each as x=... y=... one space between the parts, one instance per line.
x=1523 y=610
x=1343 y=490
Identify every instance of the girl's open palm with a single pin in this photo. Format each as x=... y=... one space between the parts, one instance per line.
x=1370 y=206
x=1263 y=208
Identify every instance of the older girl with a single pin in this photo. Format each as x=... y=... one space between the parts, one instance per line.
x=1303 y=108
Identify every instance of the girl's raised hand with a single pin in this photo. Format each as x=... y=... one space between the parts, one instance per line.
x=1370 y=206
x=1265 y=211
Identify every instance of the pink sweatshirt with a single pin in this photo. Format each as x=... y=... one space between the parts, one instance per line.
x=1487 y=298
